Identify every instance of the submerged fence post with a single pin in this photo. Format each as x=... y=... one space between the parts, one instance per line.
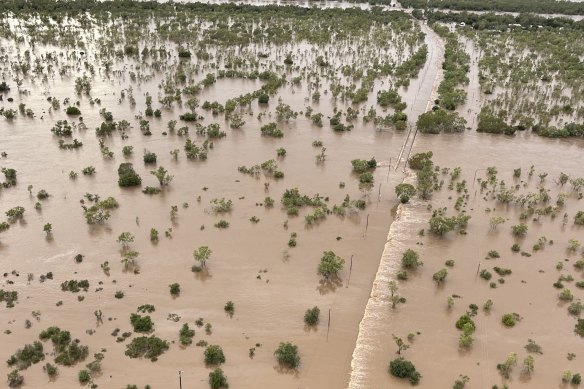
x=350 y=271
x=379 y=193
x=329 y=325
x=366 y=225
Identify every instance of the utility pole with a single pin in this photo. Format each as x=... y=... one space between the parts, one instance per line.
x=180 y=379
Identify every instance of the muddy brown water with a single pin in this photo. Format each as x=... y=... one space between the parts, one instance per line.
x=358 y=346
x=528 y=291
x=267 y=310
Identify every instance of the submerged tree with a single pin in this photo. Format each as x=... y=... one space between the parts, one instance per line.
x=287 y=355
x=162 y=175
x=330 y=264
x=401 y=345
x=202 y=254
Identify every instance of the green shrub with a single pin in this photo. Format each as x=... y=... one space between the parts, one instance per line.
x=15 y=380
x=144 y=346
x=84 y=376
x=217 y=379
x=174 y=289
x=403 y=368
x=410 y=260
x=184 y=53
x=421 y=160
x=141 y=323
x=75 y=286
x=229 y=308
x=463 y=320
x=10 y=297
x=127 y=176
x=263 y=98
x=214 y=355
x=311 y=316
x=508 y=320
x=149 y=157
x=68 y=352
x=404 y=192
x=51 y=370
x=330 y=264
x=437 y=121
x=72 y=110
x=287 y=355
x=272 y=130
x=519 y=229
x=28 y=355
x=366 y=178
x=186 y=335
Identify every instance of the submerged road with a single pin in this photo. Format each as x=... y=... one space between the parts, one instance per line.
x=420 y=98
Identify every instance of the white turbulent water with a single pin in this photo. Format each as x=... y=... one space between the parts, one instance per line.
x=376 y=316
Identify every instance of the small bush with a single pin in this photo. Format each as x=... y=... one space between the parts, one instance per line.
x=15 y=380
x=508 y=320
x=141 y=323
x=51 y=370
x=271 y=130
x=287 y=355
x=149 y=157
x=463 y=320
x=311 y=316
x=149 y=347
x=229 y=308
x=186 y=335
x=403 y=368
x=27 y=356
x=264 y=98
x=217 y=379
x=72 y=110
x=410 y=260
x=84 y=376
x=214 y=355
x=127 y=176
x=174 y=289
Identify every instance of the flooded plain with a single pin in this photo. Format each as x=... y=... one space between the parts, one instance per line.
x=270 y=282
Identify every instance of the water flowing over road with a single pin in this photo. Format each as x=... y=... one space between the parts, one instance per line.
x=422 y=93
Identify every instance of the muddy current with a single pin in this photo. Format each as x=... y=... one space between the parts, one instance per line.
x=270 y=283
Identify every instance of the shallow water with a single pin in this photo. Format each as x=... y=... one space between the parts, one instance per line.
x=270 y=309
x=271 y=284
x=528 y=291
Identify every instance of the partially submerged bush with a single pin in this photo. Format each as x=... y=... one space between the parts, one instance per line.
x=149 y=347
x=410 y=260
x=402 y=368
x=214 y=355
x=28 y=355
x=287 y=355
x=68 y=352
x=311 y=316
x=141 y=323
x=127 y=176
x=330 y=264
x=217 y=379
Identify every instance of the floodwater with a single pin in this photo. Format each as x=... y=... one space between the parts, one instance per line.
x=528 y=291
x=364 y=5
x=271 y=284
